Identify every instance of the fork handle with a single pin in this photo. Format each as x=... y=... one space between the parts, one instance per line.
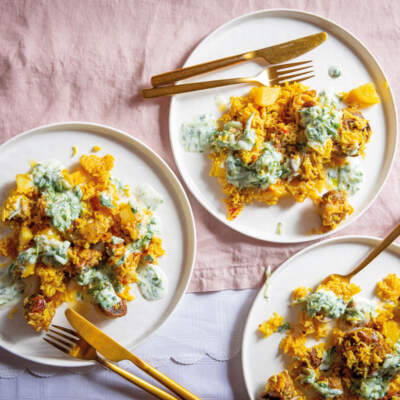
x=190 y=87
x=377 y=250
x=182 y=73
x=149 y=388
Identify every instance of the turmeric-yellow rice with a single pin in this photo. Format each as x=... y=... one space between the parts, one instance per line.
x=360 y=357
x=78 y=234
x=286 y=141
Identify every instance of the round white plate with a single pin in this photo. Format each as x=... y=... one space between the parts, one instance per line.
x=260 y=356
x=135 y=163
x=358 y=66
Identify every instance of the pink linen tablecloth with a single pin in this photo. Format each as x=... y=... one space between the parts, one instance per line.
x=88 y=59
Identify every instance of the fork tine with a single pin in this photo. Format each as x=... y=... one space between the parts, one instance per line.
x=283 y=66
x=297 y=80
x=73 y=339
x=286 y=77
x=70 y=331
x=304 y=78
x=282 y=74
x=58 y=340
x=56 y=345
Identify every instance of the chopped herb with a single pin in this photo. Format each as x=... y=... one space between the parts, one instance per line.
x=284 y=327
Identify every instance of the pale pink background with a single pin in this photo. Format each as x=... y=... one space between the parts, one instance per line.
x=87 y=60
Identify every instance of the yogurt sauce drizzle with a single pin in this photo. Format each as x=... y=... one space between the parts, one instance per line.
x=152 y=282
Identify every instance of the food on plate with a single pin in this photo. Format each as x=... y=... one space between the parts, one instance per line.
x=286 y=141
x=272 y=325
x=362 y=96
x=334 y=71
x=342 y=346
x=280 y=386
x=79 y=234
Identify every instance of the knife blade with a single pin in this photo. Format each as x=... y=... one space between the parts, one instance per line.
x=103 y=343
x=272 y=55
x=288 y=50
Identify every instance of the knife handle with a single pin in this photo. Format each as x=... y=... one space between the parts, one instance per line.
x=163 y=379
x=149 y=388
x=178 y=74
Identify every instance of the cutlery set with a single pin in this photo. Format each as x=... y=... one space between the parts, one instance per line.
x=274 y=75
x=87 y=340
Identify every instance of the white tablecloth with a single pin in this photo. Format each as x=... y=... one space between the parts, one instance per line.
x=199 y=347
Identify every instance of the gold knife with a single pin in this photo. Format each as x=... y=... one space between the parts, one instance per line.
x=272 y=55
x=113 y=351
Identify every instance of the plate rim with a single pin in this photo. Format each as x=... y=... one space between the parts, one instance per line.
x=373 y=240
x=116 y=133
x=191 y=187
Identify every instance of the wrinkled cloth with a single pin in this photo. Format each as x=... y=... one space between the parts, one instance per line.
x=88 y=60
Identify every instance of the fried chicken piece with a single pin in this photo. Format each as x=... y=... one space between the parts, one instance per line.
x=119 y=310
x=354 y=133
x=38 y=312
x=363 y=351
x=333 y=209
x=280 y=387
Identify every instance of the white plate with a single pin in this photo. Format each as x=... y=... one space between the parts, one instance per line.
x=134 y=163
x=358 y=66
x=260 y=356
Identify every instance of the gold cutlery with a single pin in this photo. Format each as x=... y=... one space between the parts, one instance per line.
x=271 y=55
x=69 y=342
x=275 y=75
x=113 y=351
x=371 y=256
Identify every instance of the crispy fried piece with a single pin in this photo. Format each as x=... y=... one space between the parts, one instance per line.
x=354 y=134
x=280 y=387
x=333 y=209
x=363 y=351
x=119 y=310
x=38 y=312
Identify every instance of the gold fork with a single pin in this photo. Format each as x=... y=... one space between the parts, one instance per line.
x=69 y=342
x=276 y=75
x=371 y=256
